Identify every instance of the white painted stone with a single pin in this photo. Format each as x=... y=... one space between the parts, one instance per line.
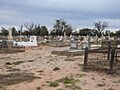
x=32 y=42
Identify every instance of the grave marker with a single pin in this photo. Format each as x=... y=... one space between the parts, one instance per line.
x=74 y=43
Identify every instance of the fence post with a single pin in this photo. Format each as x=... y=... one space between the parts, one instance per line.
x=85 y=58
x=109 y=47
x=111 y=71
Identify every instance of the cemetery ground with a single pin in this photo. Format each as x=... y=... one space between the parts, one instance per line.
x=38 y=69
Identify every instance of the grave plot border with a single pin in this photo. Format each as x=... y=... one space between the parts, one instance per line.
x=111 y=51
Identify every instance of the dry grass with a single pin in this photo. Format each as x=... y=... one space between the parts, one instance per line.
x=14 y=78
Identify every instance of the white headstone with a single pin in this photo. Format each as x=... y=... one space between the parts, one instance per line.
x=10 y=37
x=74 y=43
x=33 y=39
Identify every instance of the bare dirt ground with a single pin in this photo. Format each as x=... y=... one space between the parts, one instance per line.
x=38 y=69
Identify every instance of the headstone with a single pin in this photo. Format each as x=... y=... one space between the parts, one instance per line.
x=10 y=37
x=33 y=39
x=60 y=38
x=92 y=39
x=74 y=43
x=85 y=43
x=4 y=43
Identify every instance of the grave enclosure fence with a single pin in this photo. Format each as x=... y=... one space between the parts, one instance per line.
x=104 y=57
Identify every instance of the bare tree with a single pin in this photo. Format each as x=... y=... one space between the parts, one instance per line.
x=30 y=27
x=100 y=27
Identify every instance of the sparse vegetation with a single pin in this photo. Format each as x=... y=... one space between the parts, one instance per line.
x=8 y=63
x=14 y=70
x=14 y=78
x=70 y=82
x=56 y=68
x=15 y=63
x=31 y=61
x=47 y=81
x=67 y=80
x=101 y=84
x=60 y=89
x=118 y=81
x=80 y=75
x=53 y=84
x=40 y=71
x=3 y=88
x=38 y=88
x=111 y=89
x=103 y=79
x=18 y=62
x=93 y=78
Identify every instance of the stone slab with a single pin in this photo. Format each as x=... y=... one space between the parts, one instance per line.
x=69 y=52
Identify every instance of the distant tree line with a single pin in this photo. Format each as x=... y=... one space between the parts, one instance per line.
x=60 y=28
x=31 y=29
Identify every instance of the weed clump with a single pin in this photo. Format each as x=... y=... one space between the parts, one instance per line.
x=18 y=62
x=8 y=63
x=56 y=68
x=54 y=84
x=70 y=82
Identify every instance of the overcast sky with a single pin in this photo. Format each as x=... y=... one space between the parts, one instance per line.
x=79 y=13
